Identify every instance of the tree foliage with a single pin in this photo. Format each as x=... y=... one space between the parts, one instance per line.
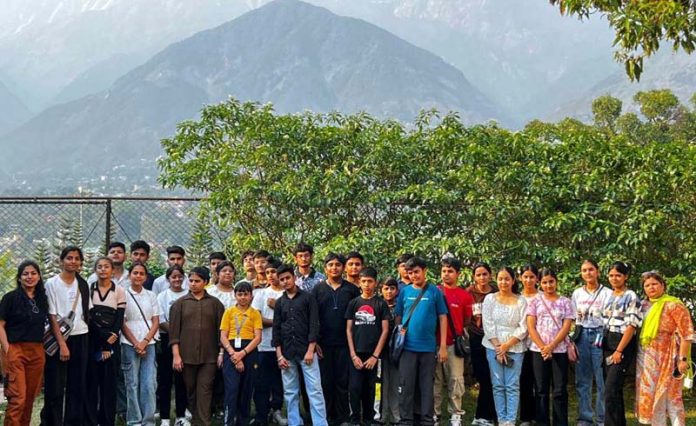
x=640 y=26
x=551 y=194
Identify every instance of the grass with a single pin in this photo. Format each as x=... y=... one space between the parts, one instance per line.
x=469 y=403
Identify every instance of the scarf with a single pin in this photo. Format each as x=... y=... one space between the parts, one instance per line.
x=651 y=322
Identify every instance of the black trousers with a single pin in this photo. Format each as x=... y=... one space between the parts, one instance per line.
x=168 y=378
x=614 y=376
x=551 y=373
x=334 y=382
x=67 y=382
x=121 y=403
x=101 y=382
x=417 y=372
x=527 y=389
x=362 y=392
x=485 y=406
x=268 y=390
x=239 y=387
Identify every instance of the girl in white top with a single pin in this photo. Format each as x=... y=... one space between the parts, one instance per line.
x=505 y=329
x=224 y=289
x=529 y=276
x=140 y=329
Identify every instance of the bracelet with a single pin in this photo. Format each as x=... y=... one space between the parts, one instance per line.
x=618 y=351
x=281 y=358
x=221 y=352
x=374 y=356
x=245 y=351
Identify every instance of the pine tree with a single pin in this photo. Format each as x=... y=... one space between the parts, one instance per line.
x=201 y=241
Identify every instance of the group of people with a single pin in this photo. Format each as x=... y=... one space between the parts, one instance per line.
x=322 y=342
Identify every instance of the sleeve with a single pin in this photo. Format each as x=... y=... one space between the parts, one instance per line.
x=521 y=330
x=532 y=307
x=154 y=303
x=219 y=311
x=4 y=305
x=399 y=309
x=634 y=315
x=164 y=315
x=440 y=303
x=259 y=300
x=468 y=306
x=570 y=310
x=225 y=321
x=384 y=308
x=313 y=320
x=52 y=303
x=175 y=322
x=681 y=317
x=350 y=310
x=487 y=317
x=276 y=332
x=120 y=310
x=257 y=323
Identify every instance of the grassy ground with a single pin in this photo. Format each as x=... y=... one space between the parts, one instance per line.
x=470 y=406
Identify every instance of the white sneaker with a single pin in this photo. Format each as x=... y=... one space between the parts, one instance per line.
x=456 y=420
x=181 y=421
x=279 y=419
x=164 y=422
x=189 y=416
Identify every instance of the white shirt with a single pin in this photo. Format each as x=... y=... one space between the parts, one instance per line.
x=226 y=297
x=162 y=283
x=134 y=319
x=121 y=281
x=61 y=297
x=588 y=306
x=503 y=321
x=165 y=300
x=260 y=303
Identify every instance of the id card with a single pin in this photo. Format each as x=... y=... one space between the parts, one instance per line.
x=237 y=342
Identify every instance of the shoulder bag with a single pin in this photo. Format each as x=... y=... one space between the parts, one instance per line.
x=142 y=313
x=398 y=338
x=65 y=324
x=462 y=346
x=577 y=331
x=572 y=349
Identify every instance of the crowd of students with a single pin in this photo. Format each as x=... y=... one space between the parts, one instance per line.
x=320 y=343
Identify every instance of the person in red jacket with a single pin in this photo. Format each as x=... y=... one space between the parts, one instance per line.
x=451 y=373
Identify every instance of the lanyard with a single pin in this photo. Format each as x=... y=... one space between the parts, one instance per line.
x=239 y=326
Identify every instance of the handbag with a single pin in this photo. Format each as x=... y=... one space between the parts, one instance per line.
x=65 y=324
x=462 y=345
x=570 y=345
x=398 y=338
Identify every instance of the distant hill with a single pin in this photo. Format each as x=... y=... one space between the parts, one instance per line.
x=12 y=111
x=293 y=54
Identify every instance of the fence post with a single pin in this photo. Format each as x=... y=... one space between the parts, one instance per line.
x=107 y=239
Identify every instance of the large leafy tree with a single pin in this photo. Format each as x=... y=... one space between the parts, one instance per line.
x=640 y=26
x=550 y=194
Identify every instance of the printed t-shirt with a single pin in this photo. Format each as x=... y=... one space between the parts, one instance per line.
x=367 y=316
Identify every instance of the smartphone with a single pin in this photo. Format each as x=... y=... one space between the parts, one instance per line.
x=508 y=362
x=609 y=360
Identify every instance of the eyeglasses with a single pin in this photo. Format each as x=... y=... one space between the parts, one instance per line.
x=34 y=307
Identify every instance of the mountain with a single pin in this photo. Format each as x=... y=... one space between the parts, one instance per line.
x=12 y=111
x=293 y=54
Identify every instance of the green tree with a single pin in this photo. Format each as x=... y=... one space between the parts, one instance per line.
x=550 y=194
x=640 y=26
x=606 y=110
x=201 y=241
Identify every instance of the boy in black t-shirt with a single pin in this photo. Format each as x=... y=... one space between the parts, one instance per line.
x=367 y=331
x=389 y=401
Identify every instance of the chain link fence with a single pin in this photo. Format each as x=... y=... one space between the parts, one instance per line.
x=38 y=228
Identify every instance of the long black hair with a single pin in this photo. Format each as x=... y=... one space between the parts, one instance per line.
x=40 y=291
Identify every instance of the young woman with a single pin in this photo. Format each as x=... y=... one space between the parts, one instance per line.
x=138 y=348
x=240 y=334
x=105 y=321
x=166 y=376
x=529 y=275
x=622 y=317
x=23 y=313
x=505 y=329
x=485 y=408
x=65 y=373
x=224 y=289
x=663 y=354
x=589 y=301
x=549 y=318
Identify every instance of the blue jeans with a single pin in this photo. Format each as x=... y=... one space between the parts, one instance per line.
x=506 y=385
x=140 y=373
x=589 y=365
x=291 y=384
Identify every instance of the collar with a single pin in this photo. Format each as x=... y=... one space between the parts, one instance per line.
x=190 y=296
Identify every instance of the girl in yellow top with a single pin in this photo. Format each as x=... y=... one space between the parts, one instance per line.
x=240 y=334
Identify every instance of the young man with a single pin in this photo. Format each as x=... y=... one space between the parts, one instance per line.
x=176 y=255
x=354 y=264
x=117 y=253
x=194 y=336
x=295 y=330
x=248 y=264
x=367 y=330
x=400 y=264
x=451 y=373
x=305 y=274
x=66 y=371
x=140 y=252
x=268 y=394
x=417 y=362
x=214 y=259
x=389 y=402
x=260 y=262
x=333 y=296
